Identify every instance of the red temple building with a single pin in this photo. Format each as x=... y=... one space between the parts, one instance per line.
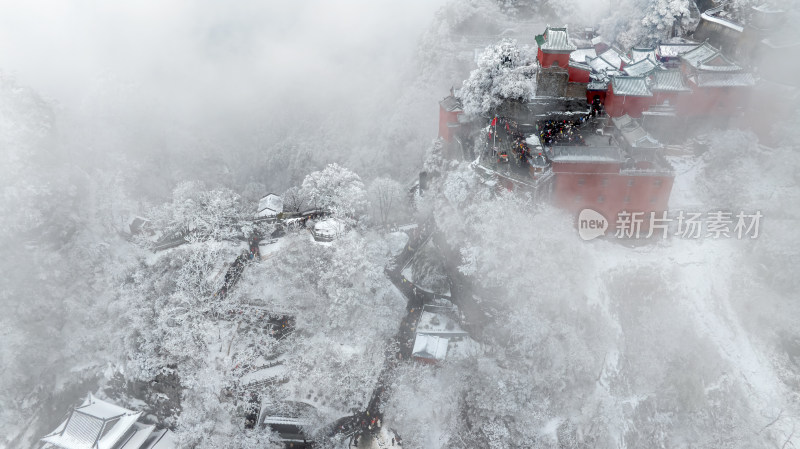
x=610 y=180
x=554 y=47
x=449 y=110
x=692 y=79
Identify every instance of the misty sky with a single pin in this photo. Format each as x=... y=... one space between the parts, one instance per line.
x=211 y=60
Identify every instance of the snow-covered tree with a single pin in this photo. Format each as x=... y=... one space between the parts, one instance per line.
x=293 y=199
x=338 y=190
x=386 y=196
x=214 y=214
x=505 y=72
x=646 y=22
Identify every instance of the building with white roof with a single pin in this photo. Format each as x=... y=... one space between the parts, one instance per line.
x=430 y=348
x=97 y=424
x=269 y=207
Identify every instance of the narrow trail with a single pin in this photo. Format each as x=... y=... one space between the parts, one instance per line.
x=401 y=344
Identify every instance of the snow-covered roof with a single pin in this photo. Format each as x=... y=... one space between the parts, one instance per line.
x=580 y=65
x=451 y=104
x=612 y=57
x=719 y=63
x=639 y=54
x=329 y=227
x=767 y=8
x=141 y=432
x=623 y=121
x=640 y=68
x=599 y=64
x=675 y=50
x=269 y=206
x=95 y=424
x=706 y=57
x=634 y=135
x=597 y=85
x=581 y=54
x=697 y=55
x=430 y=347
x=664 y=109
x=646 y=141
x=634 y=86
x=161 y=439
x=431 y=323
x=723 y=79
x=712 y=16
x=555 y=40
x=668 y=81
x=586 y=154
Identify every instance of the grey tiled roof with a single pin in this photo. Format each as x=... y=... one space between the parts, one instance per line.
x=696 y=56
x=669 y=81
x=451 y=103
x=580 y=65
x=640 y=54
x=635 y=86
x=599 y=64
x=597 y=85
x=640 y=68
x=719 y=63
x=717 y=79
x=557 y=39
x=674 y=50
x=612 y=57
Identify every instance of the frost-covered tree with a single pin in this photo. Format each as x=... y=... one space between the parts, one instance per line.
x=338 y=190
x=646 y=22
x=214 y=214
x=386 y=196
x=428 y=270
x=505 y=72
x=345 y=310
x=293 y=199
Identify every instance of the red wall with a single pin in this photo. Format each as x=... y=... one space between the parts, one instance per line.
x=713 y=100
x=547 y=59
x=446 y=117
x=577 y=75
x=618 y=105
x=579 y=186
